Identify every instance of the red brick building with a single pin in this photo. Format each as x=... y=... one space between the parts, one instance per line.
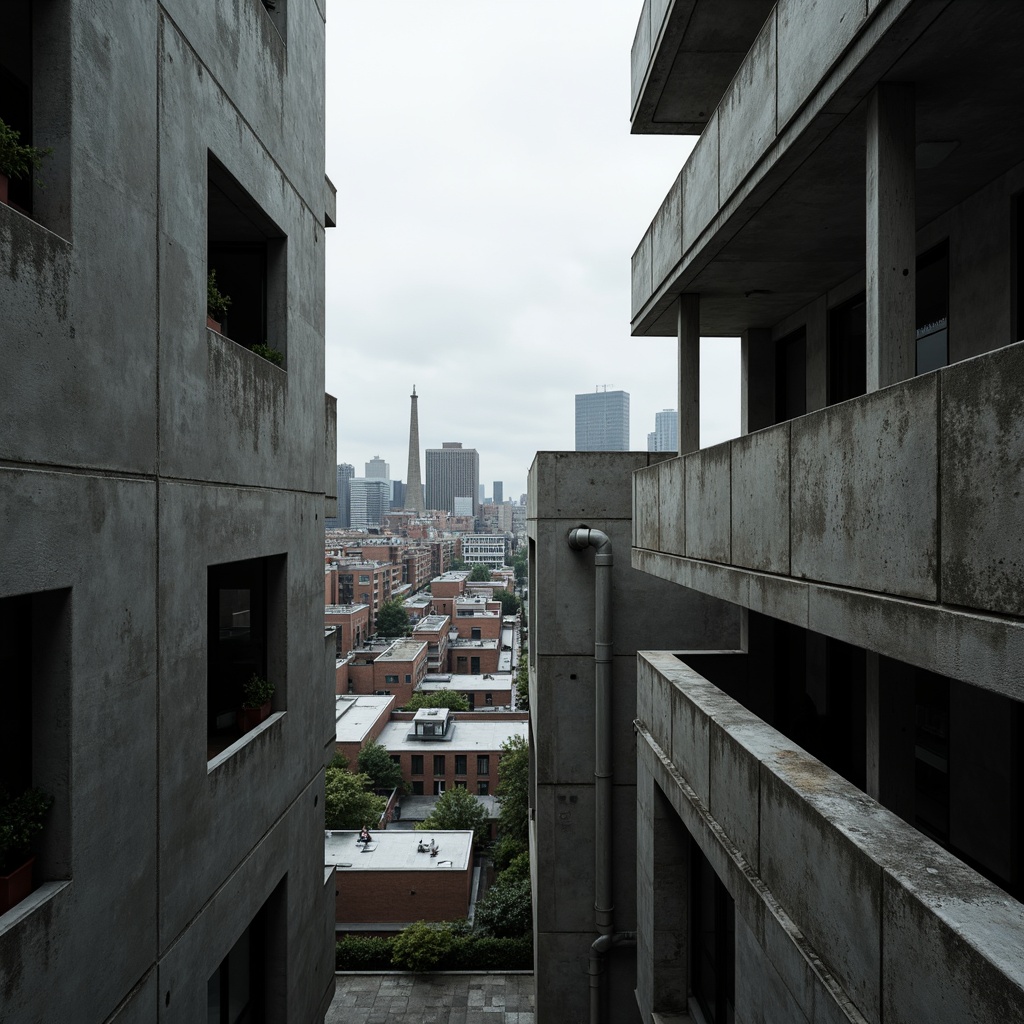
x=359 y=720
x=352 y=622
x=473 y=657
x=394 y=668
x=433 y=630
x=399 y=877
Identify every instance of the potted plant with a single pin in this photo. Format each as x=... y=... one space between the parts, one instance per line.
x=256 y=695
x=16 y=159
x=21 y=820
x=271 y=354
x=216 y=303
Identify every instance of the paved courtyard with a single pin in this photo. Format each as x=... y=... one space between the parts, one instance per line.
x=432 y=999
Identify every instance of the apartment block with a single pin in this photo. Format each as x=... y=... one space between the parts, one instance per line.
x=163 y=488
x=453 y=472
x=827 y=805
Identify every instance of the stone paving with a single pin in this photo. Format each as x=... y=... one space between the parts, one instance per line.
x=432 y=999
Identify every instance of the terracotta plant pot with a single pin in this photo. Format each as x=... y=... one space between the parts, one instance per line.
x=16 y=886
x=214 y=325
x=249 y=718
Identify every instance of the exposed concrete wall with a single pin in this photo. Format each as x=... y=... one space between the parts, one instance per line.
x=569 y=489
x=911 y=493
x=138 y=449
x=818 y=871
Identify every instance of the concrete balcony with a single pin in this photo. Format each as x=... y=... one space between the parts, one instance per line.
x=843 y=911
x=893 y=521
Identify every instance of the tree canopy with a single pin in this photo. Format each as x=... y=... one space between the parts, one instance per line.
x=451 y=699
x=375 y=761
x=393 y=619
x=347 y=800
x=458 y=809
x=479 y=573
x=510 y=604
x=519 y=565
x=523 y=682
x=513 y=791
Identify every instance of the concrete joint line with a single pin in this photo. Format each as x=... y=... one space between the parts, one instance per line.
x=754 y=880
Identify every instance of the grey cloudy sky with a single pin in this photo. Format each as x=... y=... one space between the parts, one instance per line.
x=489 y=199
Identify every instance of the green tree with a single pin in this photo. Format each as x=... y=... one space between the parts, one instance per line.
x=479 y=573
x=510 y=604
x=523 y=683
x=507 y=910
x=519 y=565
x=450 y=699
x=456 y=565
x=422 y=946
x=375 y=761
x=393 y=619
x=513 y=791
x=347 y=800
x=458 y=809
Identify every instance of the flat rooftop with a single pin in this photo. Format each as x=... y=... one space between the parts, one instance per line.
x=403 y=650
x=398 y=851
x=491 y=681
x=355 y=716
x=486 y=644
x=463 y=735
x=430 y=623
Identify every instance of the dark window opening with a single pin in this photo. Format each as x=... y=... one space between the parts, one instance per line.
x=791 y=376
x=483 y=764
x=474 y=666
x=474 y=633
x=245 y=637
x=439 y=764
x=1017 y=267
x=246 y=253
x=417 y=764
x=483 y=788
x=35 y=725
x=438 y=787
x=932 y=309
x=712 y=941
x=847 y=350
x=16 y=90
x=460 y=764
x=417 y=789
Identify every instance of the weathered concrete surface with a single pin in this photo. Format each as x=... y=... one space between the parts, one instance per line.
x=760 y=500
x=708 y=505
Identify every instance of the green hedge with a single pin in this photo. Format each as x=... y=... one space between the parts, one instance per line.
x=452 y=953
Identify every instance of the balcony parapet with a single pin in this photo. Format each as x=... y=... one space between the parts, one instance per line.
x=913 y=493
x=820 y=872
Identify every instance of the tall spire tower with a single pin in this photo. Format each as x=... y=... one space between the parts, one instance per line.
x=413 y=480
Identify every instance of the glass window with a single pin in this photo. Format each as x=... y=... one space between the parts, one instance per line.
x=439 y=764
x=417 y=764
x=483 y=764
x=460 y=764
x=483 y=788
x=417 y=789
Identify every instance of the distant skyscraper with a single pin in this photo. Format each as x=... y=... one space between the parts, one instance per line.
x=602 y=421
x=343 y=519
x=413 y=480
x=378 y=469
x=371 y=498
x=397 y=494
x=665 y=436
x=481 y=494
x=499 y=492
x=452 y=472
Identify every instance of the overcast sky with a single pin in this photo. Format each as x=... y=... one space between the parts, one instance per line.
x=489 y=199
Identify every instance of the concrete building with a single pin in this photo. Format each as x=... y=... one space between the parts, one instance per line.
x=498 y=492
x=602 y=421
x=369 y=501
x=377 y=469
x=399 y=877
x=453 y=472
x=162 y=498
x=827 y=809
x=665 y=436
x=484 y=549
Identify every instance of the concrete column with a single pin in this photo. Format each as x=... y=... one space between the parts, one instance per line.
x=689 y=373
x=891 y=235
x=872 y=727
x=817 y=355
x=757 y=380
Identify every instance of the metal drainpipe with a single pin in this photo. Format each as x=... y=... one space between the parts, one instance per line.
x=579 y=540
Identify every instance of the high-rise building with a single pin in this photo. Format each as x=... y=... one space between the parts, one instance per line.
x=498 y=492
x=482 y=495
x=665 y=436
x=370 y=501
x=414 y=482
x=602 y=421
x=179 y=874
x=397 y=494
x=803 y=794
x=452 y=472
x=345 y=472
x=378 y=469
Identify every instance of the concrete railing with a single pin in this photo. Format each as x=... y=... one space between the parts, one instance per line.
x=849 y=903
x=915 y=491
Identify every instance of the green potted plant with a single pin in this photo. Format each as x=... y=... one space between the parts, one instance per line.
x=216 y=303
x=21 y=820
x=268 y=352
x=256 y=695
x=17 y=160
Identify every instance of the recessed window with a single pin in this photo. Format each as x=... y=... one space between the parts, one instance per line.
x=483 y=788
x=439 y=764
x=35 y=692
x=483 y=764
x=245 y=641
x=932 y=309
x=417 y=789
x=847 y=350
x=712 y=941
x=460 y=764
x=417 y=764
x=460 y=784
x=246 y=265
